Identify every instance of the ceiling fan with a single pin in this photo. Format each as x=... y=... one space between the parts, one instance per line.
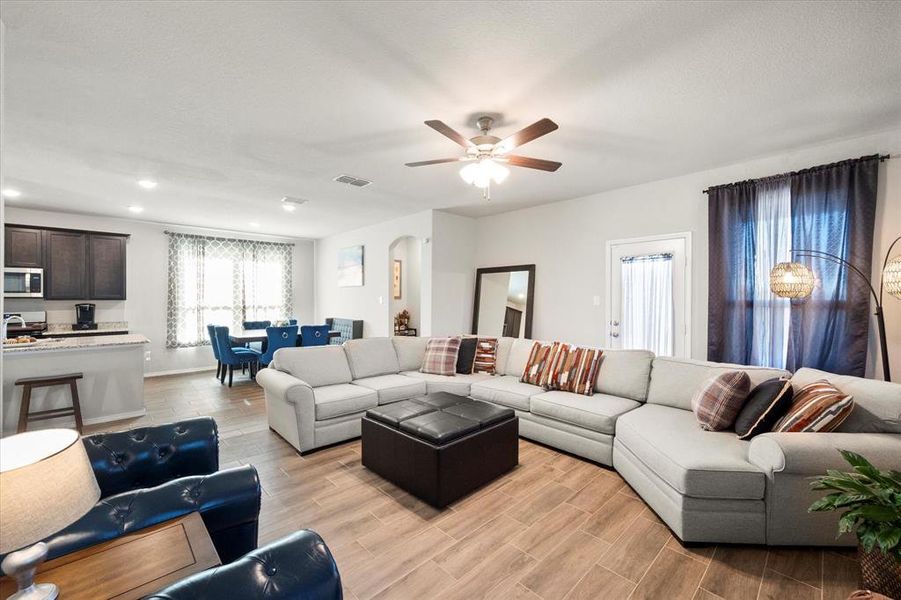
x=486 y=153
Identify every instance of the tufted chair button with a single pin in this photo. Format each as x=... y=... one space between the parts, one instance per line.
x=195 y=493
x=271 y=570
x=179 y=430
x=118 y=459
x=162 y=452
x=96 y=439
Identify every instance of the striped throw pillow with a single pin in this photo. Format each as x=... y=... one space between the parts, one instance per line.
x=718 y=402
x=575 y=370
x=818 y=406
x=485 y=360
x=441 y=356
x=538 y=367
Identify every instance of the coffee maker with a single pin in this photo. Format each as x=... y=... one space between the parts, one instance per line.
x=84 y=317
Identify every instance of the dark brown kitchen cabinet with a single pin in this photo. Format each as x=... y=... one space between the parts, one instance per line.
x=106 y=267
x=66 y=265
x=24 y=247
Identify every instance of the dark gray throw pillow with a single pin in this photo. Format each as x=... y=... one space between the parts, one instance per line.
x=766 y=404
x=466 y=355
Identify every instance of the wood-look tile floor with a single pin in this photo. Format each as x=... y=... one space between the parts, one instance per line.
x=557 y=527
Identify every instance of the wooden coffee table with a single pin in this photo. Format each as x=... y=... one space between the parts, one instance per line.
x=131 y=566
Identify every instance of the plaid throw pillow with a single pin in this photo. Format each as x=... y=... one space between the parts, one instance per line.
x=441 y=356
x=718 y=402
x=540 y=364
x=575 y=370
x=485 y=360
x=818 y=406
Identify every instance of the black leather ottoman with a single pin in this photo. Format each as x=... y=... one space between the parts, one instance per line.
x=440 y=447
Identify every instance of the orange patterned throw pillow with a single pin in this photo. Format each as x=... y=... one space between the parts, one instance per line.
x=539 y=366
x=818 y=406
x=575 y=370
x=485 y=360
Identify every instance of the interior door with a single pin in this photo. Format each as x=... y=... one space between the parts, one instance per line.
x=648 y=283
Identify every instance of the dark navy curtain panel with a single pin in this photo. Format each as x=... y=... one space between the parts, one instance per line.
x=834 y=210
x=730 y=292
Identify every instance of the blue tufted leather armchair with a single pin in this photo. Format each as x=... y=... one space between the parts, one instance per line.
x=151 y=475
x=298 y=566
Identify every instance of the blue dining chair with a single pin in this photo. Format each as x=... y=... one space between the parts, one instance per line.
x=278 y=337
x=211 y=330
x=256 y=324
x=234 y=357
x=292 y=321
x=314 y=335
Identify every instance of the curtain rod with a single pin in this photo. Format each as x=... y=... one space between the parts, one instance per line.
x=881 y=157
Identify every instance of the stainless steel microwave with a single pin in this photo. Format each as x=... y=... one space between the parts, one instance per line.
x=19 y=282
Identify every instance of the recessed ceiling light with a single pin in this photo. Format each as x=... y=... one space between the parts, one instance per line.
x=147 y=184
x=11 y=193
x=136 y=209
x=254 y=224
x=290 y=204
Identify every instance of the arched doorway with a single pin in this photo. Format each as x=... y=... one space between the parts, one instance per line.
x=405 y=282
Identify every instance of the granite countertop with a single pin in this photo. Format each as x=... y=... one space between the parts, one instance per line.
x=56 y=329
x=77 y=343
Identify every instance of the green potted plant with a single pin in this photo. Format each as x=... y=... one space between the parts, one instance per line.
x=871 y=501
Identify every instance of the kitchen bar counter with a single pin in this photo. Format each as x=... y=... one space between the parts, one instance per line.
x=113 y=384
x=75 y=343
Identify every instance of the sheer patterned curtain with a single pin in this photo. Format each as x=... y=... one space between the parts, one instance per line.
x=647 y=296
x=224 y=281
x=770 y=314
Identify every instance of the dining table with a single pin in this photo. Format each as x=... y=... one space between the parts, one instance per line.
x=246 y=336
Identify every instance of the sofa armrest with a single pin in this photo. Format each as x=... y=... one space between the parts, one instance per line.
x=149 y=456
x=284 y=386
x=297 y=566
x=814 y=453
x=228 y=501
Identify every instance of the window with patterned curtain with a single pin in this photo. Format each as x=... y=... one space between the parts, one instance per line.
x=224 y=281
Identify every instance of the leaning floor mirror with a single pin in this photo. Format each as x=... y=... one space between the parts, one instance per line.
x=503 y=303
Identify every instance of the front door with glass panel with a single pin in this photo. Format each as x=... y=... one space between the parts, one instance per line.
x=648 y=284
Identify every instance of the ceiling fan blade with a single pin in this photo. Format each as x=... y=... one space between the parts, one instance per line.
x=532 y=163
x=446 y=131
x=437 y=161
x=523 y=136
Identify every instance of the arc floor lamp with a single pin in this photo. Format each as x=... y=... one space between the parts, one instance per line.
x=796 y=280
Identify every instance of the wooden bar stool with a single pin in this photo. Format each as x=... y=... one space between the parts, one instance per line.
x=25 y=414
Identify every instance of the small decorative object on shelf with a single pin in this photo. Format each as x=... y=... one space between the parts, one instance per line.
x=402 y=323
x=871 y=500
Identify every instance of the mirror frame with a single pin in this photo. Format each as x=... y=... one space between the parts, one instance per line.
x=530 y=295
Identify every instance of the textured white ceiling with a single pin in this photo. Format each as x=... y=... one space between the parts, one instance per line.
x=231 y=105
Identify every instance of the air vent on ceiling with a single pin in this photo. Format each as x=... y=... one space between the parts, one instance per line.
x=355 y=181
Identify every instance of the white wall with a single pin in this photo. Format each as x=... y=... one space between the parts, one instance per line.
x=566 y=240
x=453 y=273
x=371 y=301
x=146 y=283
x=408 y=250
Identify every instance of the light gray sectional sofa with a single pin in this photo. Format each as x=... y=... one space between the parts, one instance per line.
x=707 y=486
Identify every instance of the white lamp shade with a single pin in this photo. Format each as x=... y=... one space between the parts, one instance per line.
x=481 y=173
x=791 y=280
x=891 y=277
x=46 y=484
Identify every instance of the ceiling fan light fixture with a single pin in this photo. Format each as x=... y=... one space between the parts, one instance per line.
x=482 y=173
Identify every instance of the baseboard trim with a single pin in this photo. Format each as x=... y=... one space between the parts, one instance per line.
x=177 y=372
x=117 y=417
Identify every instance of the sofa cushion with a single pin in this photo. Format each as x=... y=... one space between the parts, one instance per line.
x=675 y=381
x=392 y=388
x=625 y=373
x=517 y=357
x=485 y=360
x=766 y=404
x=369 y=357
x=315 y=365
x=502 y=354
x=575 y=370
x=342 y=399
x=694 y=462
x=540 y=364
x=409 y=350
x=467 y=354
x=877 y=409
x=597 y=413
x=455 y=384
x=506 y=390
